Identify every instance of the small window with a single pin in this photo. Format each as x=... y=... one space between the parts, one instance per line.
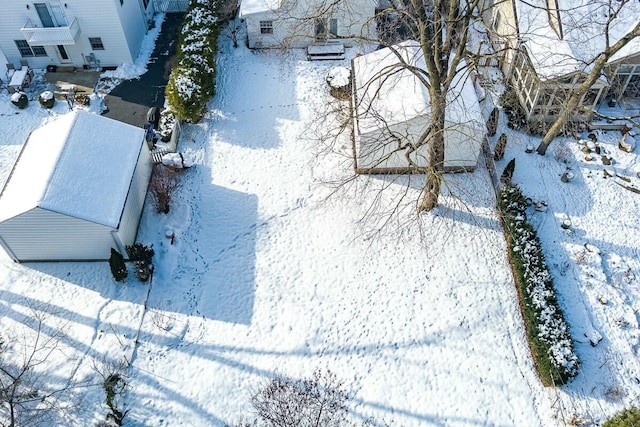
x=625 y=69
x=39 y=50
x=96 y=43
x=497 y=20
x=333 y=26
x=266 y=27
x=27 y=51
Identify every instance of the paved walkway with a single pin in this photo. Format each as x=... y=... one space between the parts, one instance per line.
x=130 y=101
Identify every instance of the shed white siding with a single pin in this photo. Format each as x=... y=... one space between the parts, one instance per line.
x=377 y=150
x=391 y=110
x=120 y=27
x=76 y=190
x=41 y=235
x=130 y=219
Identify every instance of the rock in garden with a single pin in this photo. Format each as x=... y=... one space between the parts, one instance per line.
x=627 y=143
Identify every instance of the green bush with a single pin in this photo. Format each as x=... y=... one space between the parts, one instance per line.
x=46 y=99
x=547 y=331
x=142 y=257
x=192 y=80
x=117 y=265
x=20 y=100
x=628 y=418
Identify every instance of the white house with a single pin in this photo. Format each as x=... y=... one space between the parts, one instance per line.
x=299 y=23
x=73 y=32
x=391 y=109
x=76 y=190
x=546 y=48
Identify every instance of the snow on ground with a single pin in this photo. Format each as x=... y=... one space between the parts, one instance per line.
x=595 y=262
x=267 y=275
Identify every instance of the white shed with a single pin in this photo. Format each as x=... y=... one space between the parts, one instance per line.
x=76 y=190
x=391 y=108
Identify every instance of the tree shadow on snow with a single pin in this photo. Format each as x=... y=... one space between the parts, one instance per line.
x=209 y=270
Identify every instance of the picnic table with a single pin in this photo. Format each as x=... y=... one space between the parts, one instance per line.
x=20 y=79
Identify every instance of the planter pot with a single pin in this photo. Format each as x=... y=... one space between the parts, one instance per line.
x=20 y=100
x=46 y=99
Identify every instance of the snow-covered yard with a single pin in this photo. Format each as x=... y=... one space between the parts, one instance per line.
x=267 y=274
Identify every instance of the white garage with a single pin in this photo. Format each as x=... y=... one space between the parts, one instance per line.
x=76 y=191
x=391 y=109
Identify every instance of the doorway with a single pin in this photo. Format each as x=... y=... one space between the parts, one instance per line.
x=63 y=56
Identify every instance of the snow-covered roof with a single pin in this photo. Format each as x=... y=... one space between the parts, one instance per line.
x=583 y=30
x=389 y=92
x=249 y=7
x=80 y=164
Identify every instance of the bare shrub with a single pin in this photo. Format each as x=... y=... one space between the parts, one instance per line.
x=317 y=401
x=114 y=383
x=164 y=182
x=29 y=394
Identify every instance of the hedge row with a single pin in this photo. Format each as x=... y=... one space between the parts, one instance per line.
x=192 y=80
x=547 y=331
x=629 y=417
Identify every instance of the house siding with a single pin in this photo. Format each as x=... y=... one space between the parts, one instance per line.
x=130 y=220
x=41 y=235
x=121 y=29
x=501 y=21
x=297 y=33
x=134 y=24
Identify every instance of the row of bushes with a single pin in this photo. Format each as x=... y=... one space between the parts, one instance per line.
x=192 y=80
x=547 y=331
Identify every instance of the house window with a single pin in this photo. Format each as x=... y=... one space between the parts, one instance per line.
x=39 y=51
x=333 y=26
x=96 y=43
x=554 y=17
x=589 y=99
x=266 y=27
x=29 y=51
x=51 y=14
x=497 y=21
x=633 y=86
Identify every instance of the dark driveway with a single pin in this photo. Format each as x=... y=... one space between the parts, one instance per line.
x=131 y=99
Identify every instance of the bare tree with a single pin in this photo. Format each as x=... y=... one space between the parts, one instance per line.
x=318 y=401
x=613 y=11
x=440 y=27
x=28 y=394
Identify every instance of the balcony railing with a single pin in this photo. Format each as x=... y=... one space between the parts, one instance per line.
x=49 y=36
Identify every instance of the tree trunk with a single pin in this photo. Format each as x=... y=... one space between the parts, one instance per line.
x=431 y=190
x=563 y=118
